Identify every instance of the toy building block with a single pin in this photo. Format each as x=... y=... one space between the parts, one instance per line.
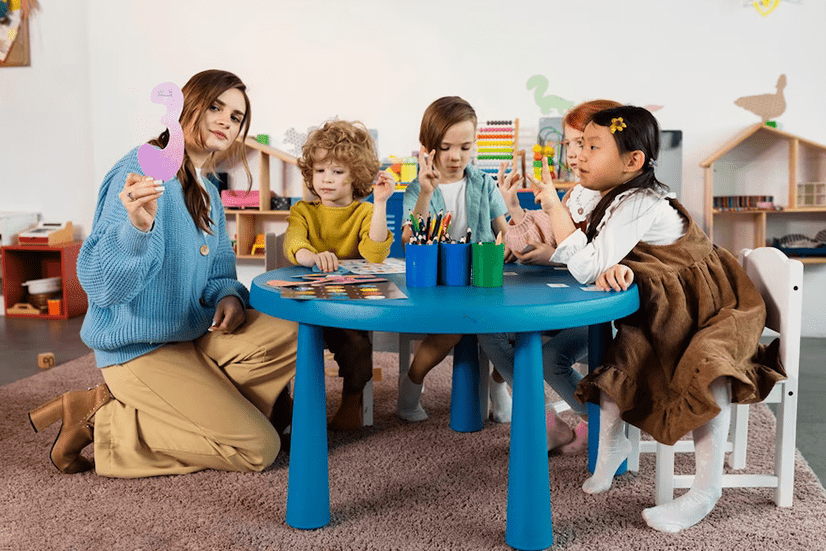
x=45 y=360
x=408 y=171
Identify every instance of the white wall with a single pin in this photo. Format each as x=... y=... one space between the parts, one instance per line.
x=85 y=100
x=46 y=110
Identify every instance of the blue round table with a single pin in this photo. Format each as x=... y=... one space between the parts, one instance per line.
x=526 y=304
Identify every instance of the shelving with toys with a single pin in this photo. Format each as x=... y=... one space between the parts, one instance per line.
x=36 y=264
x=747 y=167
x=250 y=222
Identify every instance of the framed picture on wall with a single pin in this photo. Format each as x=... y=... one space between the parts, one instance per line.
x=14 y=39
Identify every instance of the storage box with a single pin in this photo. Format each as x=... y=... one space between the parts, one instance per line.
x=12 y=223
x=241 y=199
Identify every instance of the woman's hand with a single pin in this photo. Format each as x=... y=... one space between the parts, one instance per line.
x=229 y=315
x=140 y=197
x=616 y=278
x=428 y=175
x=544 y=191
x=326 y=261
x=383 y=188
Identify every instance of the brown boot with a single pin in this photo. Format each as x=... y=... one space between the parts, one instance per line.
x=76 y=409
x=350 y=413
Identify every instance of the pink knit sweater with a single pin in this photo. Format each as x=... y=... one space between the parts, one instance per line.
x=534 y=222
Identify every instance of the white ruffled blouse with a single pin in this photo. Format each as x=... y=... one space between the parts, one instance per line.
x=634 y=216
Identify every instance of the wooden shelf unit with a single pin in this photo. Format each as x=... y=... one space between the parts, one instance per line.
x=806 y=163
x=22 y=263
x=248 y=221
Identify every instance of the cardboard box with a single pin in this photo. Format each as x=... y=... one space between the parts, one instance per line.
x=47 y=233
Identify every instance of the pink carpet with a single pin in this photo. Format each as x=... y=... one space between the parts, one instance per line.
x=393 y=486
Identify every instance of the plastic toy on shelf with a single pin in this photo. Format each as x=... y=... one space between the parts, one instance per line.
x=403 y=169
x=259 y=245
x=237 y=199
x=538 y=152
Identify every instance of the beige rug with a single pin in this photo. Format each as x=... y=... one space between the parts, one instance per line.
x=393 y=486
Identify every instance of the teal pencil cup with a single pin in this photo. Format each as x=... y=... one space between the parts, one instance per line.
x=488 y=264
x=454 y=264
x=420 y=265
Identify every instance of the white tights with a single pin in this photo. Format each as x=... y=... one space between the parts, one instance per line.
x=709 y=454
x=614 y=447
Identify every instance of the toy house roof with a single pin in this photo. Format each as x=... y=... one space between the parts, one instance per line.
x=269 y=150
x=750 y=131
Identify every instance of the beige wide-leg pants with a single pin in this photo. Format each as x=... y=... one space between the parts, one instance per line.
x=196 y=405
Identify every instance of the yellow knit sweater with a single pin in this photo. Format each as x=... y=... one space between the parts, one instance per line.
x=341 y=230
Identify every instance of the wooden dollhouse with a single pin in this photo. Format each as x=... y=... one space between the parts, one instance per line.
x=767 y=184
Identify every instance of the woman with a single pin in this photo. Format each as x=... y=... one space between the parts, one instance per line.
x=191 y=374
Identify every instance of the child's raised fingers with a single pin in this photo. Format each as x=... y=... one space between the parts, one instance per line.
x=422 y=158
x=431 y=159
x=503 y=167
x=546 y=171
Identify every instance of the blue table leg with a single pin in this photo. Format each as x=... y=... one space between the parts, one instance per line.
x=465 y=414
x=529 y=488
x=308 y=491
x=599 y=337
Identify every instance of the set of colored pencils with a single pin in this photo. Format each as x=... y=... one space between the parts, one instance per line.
x=434 y=229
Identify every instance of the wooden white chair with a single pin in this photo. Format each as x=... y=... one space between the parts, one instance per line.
x=274 y=258
x=780 y=281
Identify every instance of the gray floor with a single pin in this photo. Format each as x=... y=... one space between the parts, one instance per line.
x=22 y=339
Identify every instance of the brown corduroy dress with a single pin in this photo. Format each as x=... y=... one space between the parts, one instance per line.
x=700 y=318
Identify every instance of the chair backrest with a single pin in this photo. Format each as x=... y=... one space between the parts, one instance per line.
x=274 y=252
x=780 y=281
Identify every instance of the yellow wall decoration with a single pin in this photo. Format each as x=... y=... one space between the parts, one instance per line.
x=765 y=7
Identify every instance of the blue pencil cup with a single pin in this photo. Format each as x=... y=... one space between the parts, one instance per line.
x=454 y=263
x=420 y=265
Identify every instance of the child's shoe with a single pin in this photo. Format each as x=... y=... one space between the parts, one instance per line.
x=580 y=441
x=501 y=402
x=559 y=433
x=408 y=406
x=350 y=412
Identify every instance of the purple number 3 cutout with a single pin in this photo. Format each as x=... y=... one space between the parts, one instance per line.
x=163 y=164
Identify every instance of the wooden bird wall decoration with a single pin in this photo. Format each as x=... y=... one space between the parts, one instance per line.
x=766 y=106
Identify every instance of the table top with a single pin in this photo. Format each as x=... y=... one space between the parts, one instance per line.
x=525 y=302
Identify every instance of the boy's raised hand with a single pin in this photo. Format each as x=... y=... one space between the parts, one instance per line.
x=428 y=175
x=383 y=188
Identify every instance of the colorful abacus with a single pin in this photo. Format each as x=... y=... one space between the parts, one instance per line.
x=496 y=141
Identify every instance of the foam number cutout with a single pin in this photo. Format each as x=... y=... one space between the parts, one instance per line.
x=163 y=164
x=765 y=7
x=546 y=103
